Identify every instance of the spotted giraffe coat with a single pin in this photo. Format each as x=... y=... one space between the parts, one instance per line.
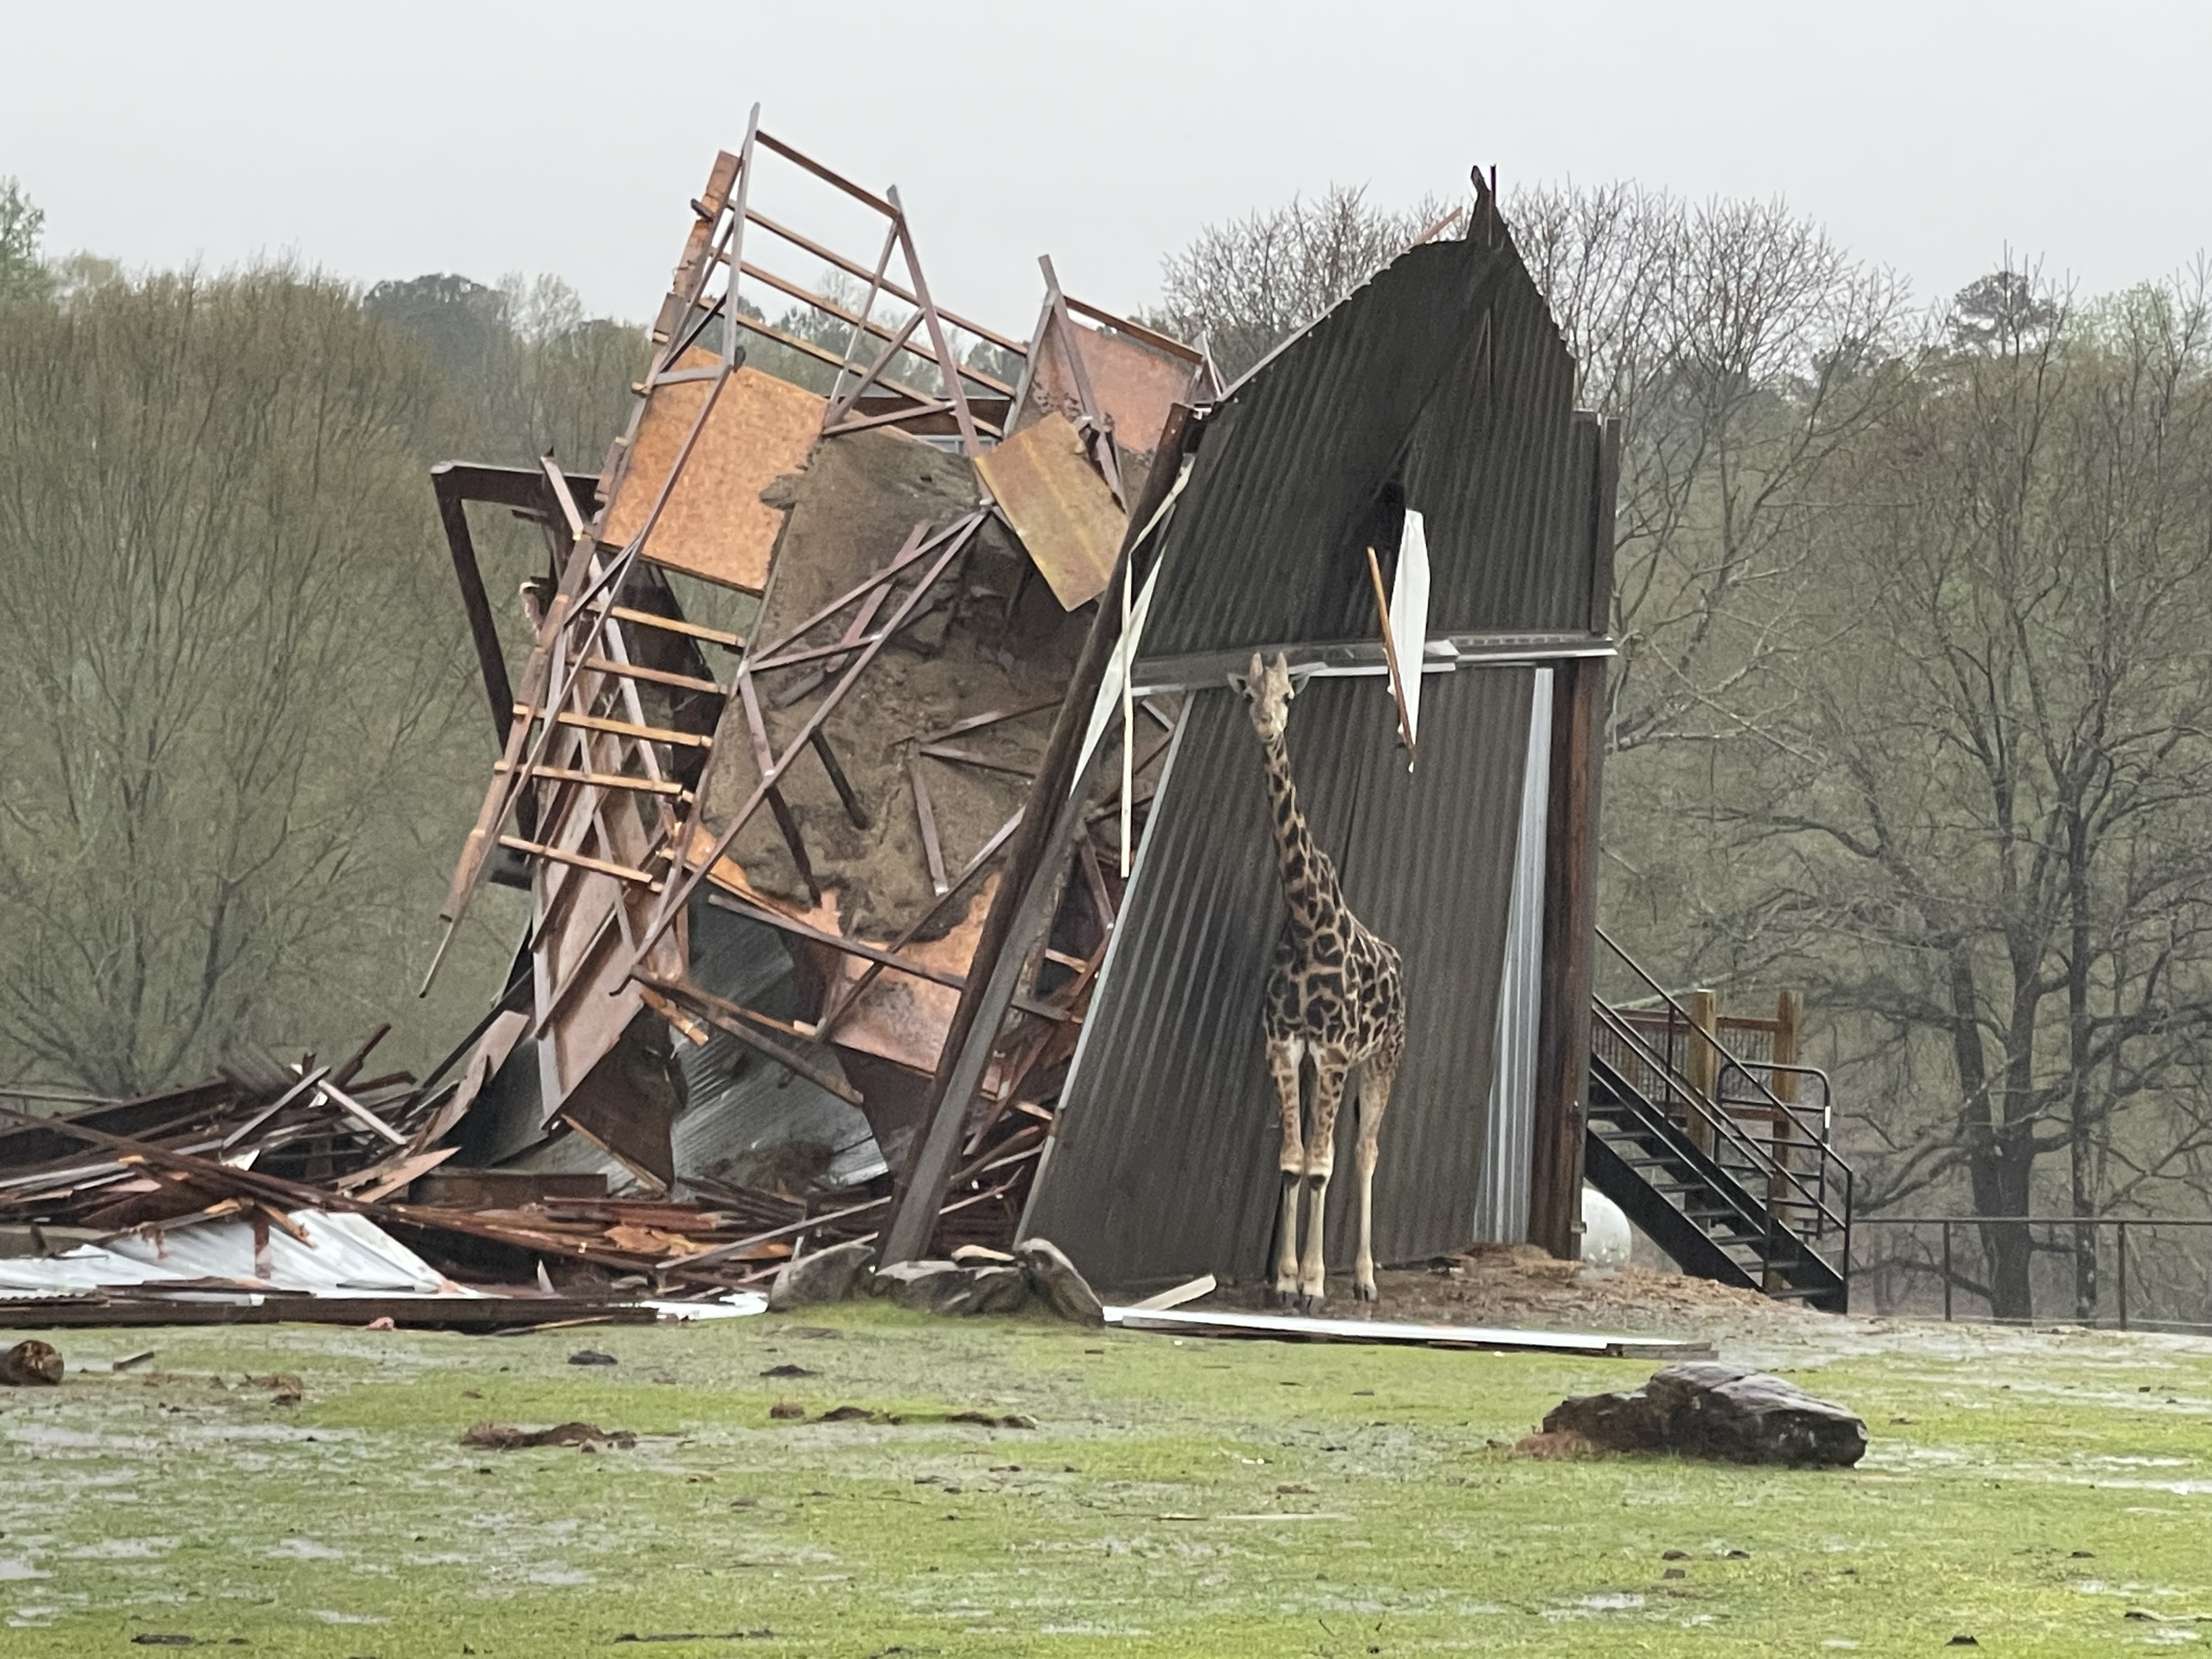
x=1333 y=984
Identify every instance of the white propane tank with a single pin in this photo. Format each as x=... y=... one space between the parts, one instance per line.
x=1605 y=1230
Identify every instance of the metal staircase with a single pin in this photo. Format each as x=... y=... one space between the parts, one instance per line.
x=1713 y=1156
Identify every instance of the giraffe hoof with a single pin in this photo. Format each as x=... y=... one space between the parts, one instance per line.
x=1286 y=1299
x=1311 y=1306
x=1365 y=1292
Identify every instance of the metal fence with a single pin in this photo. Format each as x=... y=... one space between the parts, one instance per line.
x=2127 y=1272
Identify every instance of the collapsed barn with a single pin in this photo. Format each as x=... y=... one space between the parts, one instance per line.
x=928 y=901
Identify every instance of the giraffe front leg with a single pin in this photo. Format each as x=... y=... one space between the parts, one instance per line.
x=1321 y=1157
x=1374 y=1098
x=1283 y=1055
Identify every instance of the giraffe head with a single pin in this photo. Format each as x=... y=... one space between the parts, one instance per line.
x=1268 y=687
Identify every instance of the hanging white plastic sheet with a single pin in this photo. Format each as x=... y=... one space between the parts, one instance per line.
x=1409 y=621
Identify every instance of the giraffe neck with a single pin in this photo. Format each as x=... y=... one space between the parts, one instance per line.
x=1308 y=884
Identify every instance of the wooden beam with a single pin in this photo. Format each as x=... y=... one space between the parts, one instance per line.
x=630 y=671
x=1570 y=918
x=607 y=779
x=677 y=625
x=619 y=872
x=625 y=729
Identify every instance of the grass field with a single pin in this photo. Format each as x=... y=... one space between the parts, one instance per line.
x=1189 y=1498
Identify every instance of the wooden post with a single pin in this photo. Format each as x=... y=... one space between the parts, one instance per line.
x=1562 y=1029
x=1569 y=974
x=1789 y=1028
x=1702 y=1069
x=1788 y=1023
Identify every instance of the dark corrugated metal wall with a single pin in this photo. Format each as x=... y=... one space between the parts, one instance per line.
x=1165 y=1163
x=1397 y=383
x=1502 y=479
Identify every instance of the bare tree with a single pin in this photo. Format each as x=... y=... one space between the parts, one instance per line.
x=1742 y=348
x=1245 y=286
x=1985 y=813
x=238 y=718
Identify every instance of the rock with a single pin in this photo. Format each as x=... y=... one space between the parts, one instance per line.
x=924 y=1285
x=994 y=1289
x=825 y=1276
x=1709 y=1410
x=948 y=1287
x=592 y=1357
x=1065 y=1291
x=31 y=1365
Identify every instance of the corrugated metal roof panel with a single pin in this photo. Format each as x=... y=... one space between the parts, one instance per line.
x=1164 y=1163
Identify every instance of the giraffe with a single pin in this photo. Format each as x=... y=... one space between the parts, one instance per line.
x=1333 y=1000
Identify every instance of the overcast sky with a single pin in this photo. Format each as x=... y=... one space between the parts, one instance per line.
x=387 y=139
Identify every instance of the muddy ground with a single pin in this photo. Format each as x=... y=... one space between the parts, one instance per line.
x=1524 y=1286
x=802 y=1484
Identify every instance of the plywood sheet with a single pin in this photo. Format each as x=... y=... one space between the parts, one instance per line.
x=1059 y=505
x=1135 y=385
x=714 y=525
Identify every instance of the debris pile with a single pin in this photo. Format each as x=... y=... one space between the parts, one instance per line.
x=761 y=858
x=825 y=754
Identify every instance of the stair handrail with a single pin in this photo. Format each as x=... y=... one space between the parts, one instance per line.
x=1710 y=1110
x=1802 y=1116
x=1757 y=1158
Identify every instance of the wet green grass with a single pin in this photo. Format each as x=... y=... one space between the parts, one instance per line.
x=1190 y=1498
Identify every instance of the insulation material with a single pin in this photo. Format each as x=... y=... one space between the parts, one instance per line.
x=1059 y=505
x=714 y=525
x=343 y=1255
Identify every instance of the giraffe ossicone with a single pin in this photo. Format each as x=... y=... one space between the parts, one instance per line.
x=1333 y=1000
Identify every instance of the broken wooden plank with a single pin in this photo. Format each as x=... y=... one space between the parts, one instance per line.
x=582 y=861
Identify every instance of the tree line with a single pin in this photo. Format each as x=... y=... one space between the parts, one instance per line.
x=1911 y=710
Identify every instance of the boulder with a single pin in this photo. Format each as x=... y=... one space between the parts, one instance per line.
x=825 y=1276
x=1064 y=1290
x=1709 y=1410
x=994 y=1288
x=939 y=1287
x=950 y=1287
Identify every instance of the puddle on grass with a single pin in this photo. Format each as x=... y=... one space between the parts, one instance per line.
x=305 y=1549
x=122 y=1549
x=1585 y=1607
